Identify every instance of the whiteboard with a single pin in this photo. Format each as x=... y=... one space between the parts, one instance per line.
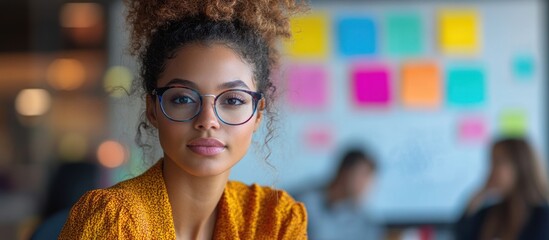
x=427 y=172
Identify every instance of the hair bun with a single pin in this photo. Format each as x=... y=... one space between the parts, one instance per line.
x=269 y=17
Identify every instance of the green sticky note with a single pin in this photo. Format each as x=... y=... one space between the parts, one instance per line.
x=466 y=86
x=513 y=123
x=404 y=34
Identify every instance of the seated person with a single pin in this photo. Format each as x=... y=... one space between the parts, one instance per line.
x=335 y=210
x=513 y=203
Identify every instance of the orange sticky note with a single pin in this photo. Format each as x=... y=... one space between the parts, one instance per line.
x=459 y=31
x=309 y=36
x=421 y=85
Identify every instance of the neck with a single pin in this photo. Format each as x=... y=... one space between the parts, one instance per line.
x=335 y=193
x=193 y=200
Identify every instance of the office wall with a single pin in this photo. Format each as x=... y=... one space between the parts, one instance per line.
x=424 y=85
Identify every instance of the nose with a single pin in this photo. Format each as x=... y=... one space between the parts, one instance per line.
x=206 y=119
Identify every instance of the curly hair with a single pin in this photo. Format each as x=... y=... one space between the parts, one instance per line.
x=269 y=17
x=251 y=28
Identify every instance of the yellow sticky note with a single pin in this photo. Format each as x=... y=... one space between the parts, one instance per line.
x=309 y=36
x=459 y=31
x=421 y=85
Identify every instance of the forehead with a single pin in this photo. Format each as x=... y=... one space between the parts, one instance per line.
x=209 y=67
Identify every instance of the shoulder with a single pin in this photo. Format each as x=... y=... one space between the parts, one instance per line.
x=267 y=208
x=100 y=213
x=537 y=225
x=279 y=200
x=114 y=211
x=540 y=213
x=124 y=196
x=105 y=199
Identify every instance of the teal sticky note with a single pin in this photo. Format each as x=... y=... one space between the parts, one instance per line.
x=404 y=35
x=523 y=67
x=466 y=86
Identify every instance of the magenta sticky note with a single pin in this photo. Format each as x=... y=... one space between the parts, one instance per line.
x=307 y=86
x=371 y=85
x=472 y=130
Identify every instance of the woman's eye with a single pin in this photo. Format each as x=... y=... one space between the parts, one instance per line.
x=234 y=101
x=183 y=100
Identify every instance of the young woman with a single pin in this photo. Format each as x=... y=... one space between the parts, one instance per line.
x=205 y=67
x=516 y=196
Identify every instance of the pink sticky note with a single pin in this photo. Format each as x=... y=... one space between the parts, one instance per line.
x=472 y=130
x=319 y=137
x=307 y=86
x=371 y=85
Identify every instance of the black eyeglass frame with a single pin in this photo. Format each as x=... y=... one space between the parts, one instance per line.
x=256 y=97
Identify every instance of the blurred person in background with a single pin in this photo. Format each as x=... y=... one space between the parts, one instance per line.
x=336 y=211
x=513 y=204
x=68 y=184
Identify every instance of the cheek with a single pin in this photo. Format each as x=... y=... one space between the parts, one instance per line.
x=508 y=176
x=240 y=138
x=171 y=134
x=504 y=177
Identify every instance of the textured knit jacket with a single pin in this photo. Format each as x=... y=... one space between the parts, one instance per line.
x=139 y=208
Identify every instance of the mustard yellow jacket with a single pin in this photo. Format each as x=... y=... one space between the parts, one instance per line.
x=139 y=209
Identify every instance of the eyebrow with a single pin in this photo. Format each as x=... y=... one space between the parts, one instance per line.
x=226 y=85
x=183 y=82
x=233 y=84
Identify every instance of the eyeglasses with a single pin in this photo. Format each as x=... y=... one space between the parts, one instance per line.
x=232 y=107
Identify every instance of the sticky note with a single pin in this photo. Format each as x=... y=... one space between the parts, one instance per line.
x=309 y=36
x=523 y=67
x=466 y=86
x=319 y=137
x=472 y=130
x=513 y=123
x=404 y=34
x=371 y=85
x=459 y=31
x=307 y=86
x=421 y=85
x=356 y=36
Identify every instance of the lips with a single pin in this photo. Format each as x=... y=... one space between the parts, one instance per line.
x=206 y=146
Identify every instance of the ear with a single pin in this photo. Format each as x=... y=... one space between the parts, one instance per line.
x=259 y=117
x=151 y=110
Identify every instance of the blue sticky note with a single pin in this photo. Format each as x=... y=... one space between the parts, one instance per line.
x=356 y=36
x=404 y=34
x=466 y=86
x=523 y=67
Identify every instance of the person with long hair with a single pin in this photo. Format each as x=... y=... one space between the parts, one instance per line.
x=513 y=204
x=205 y=67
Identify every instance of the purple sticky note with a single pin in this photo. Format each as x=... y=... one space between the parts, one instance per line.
x=307 y=86
x=371 y=85
x=472 y=130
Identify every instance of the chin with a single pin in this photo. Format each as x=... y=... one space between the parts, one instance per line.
x=206 y=167
x=207 y=172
